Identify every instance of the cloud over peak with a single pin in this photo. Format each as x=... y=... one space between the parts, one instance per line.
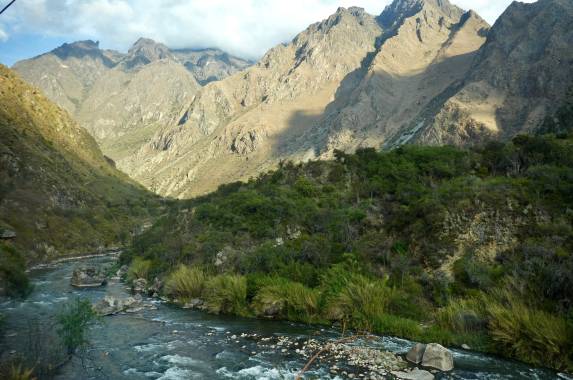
x=246 y=28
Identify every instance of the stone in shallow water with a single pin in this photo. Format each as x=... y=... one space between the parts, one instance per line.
x=416 y=353
x=438 y=357
x=88 y=277
x=415 y=374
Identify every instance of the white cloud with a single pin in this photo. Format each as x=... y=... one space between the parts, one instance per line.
x=243 y=27
x=3 y=35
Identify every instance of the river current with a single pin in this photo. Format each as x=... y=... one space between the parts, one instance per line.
x=167 y=342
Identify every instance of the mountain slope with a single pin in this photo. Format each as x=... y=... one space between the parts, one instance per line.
x=521 y=74
x=348 y=73
x=121 y=99
x=57 y=191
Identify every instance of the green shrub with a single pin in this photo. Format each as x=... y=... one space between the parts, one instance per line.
x=462 y=316
x=139 y=268
x=226 y=294
x=530 y=335
x=73 y=323
x=387 y=324
x=13 y=277
x=360 y=302
x=185 y=283
x=294 y=301
x=19 y=372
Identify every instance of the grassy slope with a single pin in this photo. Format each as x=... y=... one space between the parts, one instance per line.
x=433 y=244
x=57 y=190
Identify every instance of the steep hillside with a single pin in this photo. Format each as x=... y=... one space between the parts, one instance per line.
x=462 y=247
x=58 y=193
x=349 y=77
x=122 y=99
x=521 y=74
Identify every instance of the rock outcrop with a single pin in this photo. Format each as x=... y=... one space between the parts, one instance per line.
x=111 y=305
x=438 y=357
x=350 y=80
x=87 y=277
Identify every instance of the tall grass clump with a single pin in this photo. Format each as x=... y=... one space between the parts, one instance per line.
x=463 y=316
x=226 y=294
x=531 y=335
x=359 y=303
x=139 y=268
x=185 y=283
x=288 y=300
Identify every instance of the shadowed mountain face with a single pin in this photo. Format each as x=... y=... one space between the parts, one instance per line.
x=424 y=71
x=353 y=79
x=58 y=192
x=122 y=99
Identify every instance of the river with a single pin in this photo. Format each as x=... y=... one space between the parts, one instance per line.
x=170 y=343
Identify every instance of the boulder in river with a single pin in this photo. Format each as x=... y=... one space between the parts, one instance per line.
x=110 y=305
x=438 y=357
x=140 y=286
x=416 y=353
x=88 y=277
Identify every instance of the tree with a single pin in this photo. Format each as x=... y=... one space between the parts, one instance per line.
x=73 y=323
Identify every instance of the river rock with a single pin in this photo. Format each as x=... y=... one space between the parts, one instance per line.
x=140 y=286
x=87 y=277
x=415 y=374
x=438 y=357
x=156 y=287
x=271 y=308
x=121 y=272
x=416 y=353
x=110 y=305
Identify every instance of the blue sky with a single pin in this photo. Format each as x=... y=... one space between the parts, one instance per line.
x=247 y=28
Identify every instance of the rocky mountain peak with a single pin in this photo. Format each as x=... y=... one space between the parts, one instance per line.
x=145 y=51
x=81 y=49
x=399 y=10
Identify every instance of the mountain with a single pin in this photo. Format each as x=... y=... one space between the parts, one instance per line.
x=209 y=65
x=121 y=99
x=522 y=73
x=59 y=194
x=349 y=80
x=67 y=73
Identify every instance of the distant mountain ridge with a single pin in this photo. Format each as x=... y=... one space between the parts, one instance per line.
x=121 y=99
x=421 y=72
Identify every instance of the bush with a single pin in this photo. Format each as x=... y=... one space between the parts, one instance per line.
x=396 y=326
x=530 y=335
x=294 y=301
x=226 y=294
x=13 y=276
x=73 y=323
x=139 y=268
x=462 y=316
x=185 y=283
x=18 y=372
x=360 y=302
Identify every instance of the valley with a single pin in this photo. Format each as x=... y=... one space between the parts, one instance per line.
x=383 y=196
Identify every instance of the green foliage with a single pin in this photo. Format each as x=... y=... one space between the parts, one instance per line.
x=226 y=294
x=139 y=268
x=13 y=277
x=359 y=302
x=463 y=316
x=73 y=324
x=408 y=242
x=185 y=283
x=528 y=334
x=295 y=301
x=19 y=372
